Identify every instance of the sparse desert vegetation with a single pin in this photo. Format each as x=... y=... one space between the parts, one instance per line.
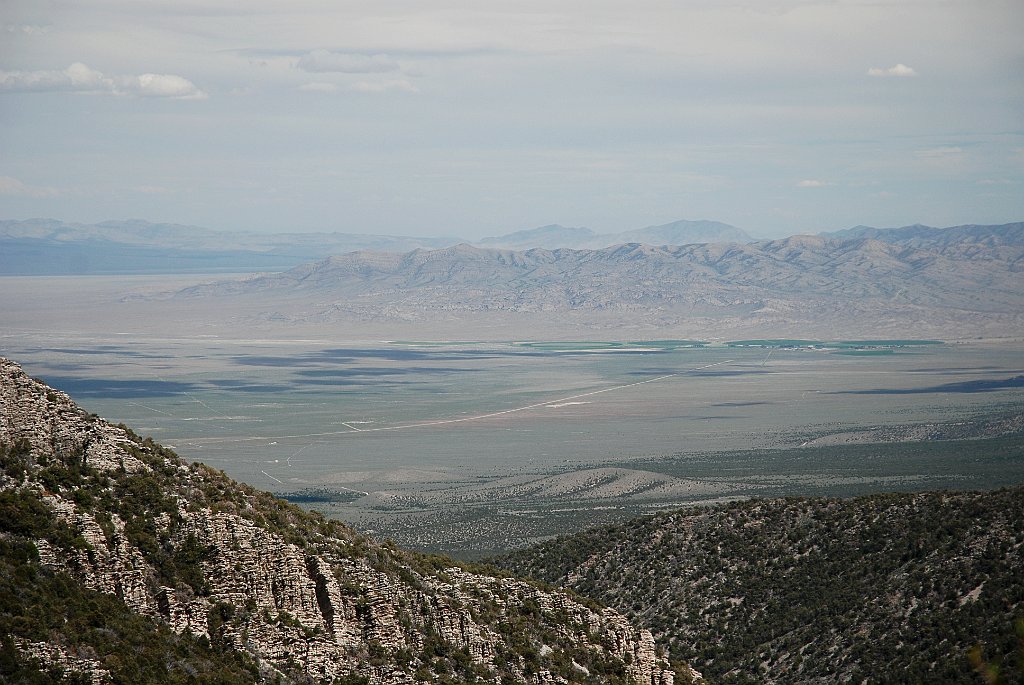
x=881 y=588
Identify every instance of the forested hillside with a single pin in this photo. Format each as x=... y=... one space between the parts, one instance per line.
x=885 y=588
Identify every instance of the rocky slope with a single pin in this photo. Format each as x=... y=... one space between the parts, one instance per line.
x=139 y=567
x=800 y=284
x=885 y=588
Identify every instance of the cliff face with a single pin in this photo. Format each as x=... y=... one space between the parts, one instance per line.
x=232 y=569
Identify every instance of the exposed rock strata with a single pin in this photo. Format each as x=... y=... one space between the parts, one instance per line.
x=306 y=598
x=53 y=655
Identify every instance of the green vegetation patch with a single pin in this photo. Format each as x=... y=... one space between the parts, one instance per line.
x=37 y=605
x=668 y=344
x=866 y=353
x=857 y=469
x=885 y=343
x=774 y=342
x=579 y=346
x=588 y=346
x=435 y=343
x=884 y=588
x=320 y=496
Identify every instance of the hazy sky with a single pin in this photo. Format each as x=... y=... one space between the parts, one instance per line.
x=478 y=117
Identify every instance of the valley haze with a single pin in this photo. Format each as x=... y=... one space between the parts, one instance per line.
x=914 y=281
x=471 y=398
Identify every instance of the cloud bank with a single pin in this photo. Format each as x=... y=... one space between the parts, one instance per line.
x=900 y=70
x=322 y=61
x=385 y=86
x=79 y=78
x=477 y=118
x=318 y=87
x=12 y=186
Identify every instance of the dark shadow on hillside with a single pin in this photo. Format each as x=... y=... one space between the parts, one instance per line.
x=979 y=385
x=82 y=387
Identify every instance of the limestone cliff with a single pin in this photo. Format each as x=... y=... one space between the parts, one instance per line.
x=301 y=598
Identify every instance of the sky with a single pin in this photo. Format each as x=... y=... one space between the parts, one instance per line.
x=481 y=117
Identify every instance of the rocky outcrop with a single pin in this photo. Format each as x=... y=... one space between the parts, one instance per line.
x=54 y=426
x=306 y=598
x=112 y=566
x=51 y=655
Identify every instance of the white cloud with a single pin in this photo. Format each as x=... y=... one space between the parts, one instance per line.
x=940 y=153
x=994 y=182
x=26 y=29
x=153 y=190
x=898 y=70
x=946 y=159
x=322 y=61
x=79 y=78
x=162 y=86
x=12 y=186
x=384 y=86
x=318 y=87
x=812 y=183
x=72 y=78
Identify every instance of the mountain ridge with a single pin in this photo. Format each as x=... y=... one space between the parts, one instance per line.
x=51 y=247
x=857 y=286
x=881 y=588
x=917 y=234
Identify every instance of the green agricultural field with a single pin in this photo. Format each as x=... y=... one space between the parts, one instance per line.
x=884 y=343
x=774 y=343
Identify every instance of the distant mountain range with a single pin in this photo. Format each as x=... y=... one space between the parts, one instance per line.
x=920 y=235
x=48 y=247
x=675 y=233
x=969 y=285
